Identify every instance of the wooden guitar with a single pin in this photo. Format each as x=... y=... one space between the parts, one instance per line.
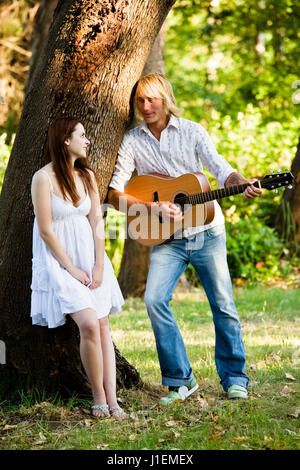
x=191 y=192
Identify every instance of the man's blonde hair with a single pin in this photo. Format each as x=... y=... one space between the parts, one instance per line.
x=155 y=85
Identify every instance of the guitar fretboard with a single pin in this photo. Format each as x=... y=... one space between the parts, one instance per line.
x=201 y=198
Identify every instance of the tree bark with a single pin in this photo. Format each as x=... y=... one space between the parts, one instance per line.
x=136 y=257
x=95 y=53
x=288 y=217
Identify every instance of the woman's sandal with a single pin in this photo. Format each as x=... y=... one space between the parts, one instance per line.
x=104 y=412
x=117 y=413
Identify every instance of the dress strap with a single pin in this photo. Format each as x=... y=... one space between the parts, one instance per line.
x=50 y=182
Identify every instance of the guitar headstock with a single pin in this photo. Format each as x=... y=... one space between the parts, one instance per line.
x=277 y=180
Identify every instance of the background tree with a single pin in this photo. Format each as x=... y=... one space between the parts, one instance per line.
x=136 y=257
x=94 y=55
x=43 y=21
x=16 y=31
x=288 y=217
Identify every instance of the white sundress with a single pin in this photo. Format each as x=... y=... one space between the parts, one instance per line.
x=55 y=292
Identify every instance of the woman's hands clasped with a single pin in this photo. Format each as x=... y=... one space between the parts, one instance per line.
x=81 y=276
x=97 y=275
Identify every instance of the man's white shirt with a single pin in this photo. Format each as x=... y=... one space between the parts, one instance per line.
x=184 y=147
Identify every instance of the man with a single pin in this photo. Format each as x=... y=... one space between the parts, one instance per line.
x=169 y=145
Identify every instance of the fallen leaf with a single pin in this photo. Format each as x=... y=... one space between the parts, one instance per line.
x=290 y=376
x=276 y=357
x=285 y=391
x=88 y=422
x=295 y=413
x=202 y=402
x=246 y=446
x=9 y=426
x=38 y=443
x=292 y=433
x=171 y=423
x=216 y=435
x=218 y=427
x=240 y=438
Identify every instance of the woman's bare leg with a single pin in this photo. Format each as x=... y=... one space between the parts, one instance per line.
x=91 y=354
x=109 y=362
x=109 y=369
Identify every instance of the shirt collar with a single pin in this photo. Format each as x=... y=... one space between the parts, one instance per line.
x=173 y=122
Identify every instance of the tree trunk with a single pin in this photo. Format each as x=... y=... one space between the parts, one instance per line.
x=95 y=53
x=288 y=217
x=136 y=257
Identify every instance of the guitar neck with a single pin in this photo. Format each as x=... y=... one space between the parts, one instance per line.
x=201 y=198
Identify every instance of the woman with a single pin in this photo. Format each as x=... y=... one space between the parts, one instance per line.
x=72 y=273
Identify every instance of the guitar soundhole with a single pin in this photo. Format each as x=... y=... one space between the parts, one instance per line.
x=180 y=200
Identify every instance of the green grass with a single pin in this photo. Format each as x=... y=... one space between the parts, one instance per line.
x=268 y=420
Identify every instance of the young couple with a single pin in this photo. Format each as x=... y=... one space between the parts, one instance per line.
x=73 y=275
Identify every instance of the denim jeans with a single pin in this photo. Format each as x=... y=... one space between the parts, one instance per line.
x=206 y=251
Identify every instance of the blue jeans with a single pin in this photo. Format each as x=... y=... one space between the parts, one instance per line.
x=206 y=251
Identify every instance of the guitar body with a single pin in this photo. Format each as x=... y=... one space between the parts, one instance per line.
x=150 y=229
x=192 y=192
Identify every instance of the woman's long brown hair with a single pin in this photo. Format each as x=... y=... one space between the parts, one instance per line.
x=57 y=153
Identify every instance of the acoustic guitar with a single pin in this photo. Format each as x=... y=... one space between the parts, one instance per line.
x=192 y=193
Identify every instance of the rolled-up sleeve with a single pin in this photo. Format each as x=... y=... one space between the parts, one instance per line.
x=211 y=159
x=124 y=166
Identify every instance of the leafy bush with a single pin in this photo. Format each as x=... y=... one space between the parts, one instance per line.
x=254 y=250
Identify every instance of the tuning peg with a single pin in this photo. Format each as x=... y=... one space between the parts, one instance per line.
x=272 y=171
x=287 y=170
x=290 y=186
x=276 y=191
x=280 y=170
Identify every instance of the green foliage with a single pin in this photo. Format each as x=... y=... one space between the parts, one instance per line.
x=115 y=236
x=235 y=53
x=4 y=156
x=253 y=250
x=236 y=75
